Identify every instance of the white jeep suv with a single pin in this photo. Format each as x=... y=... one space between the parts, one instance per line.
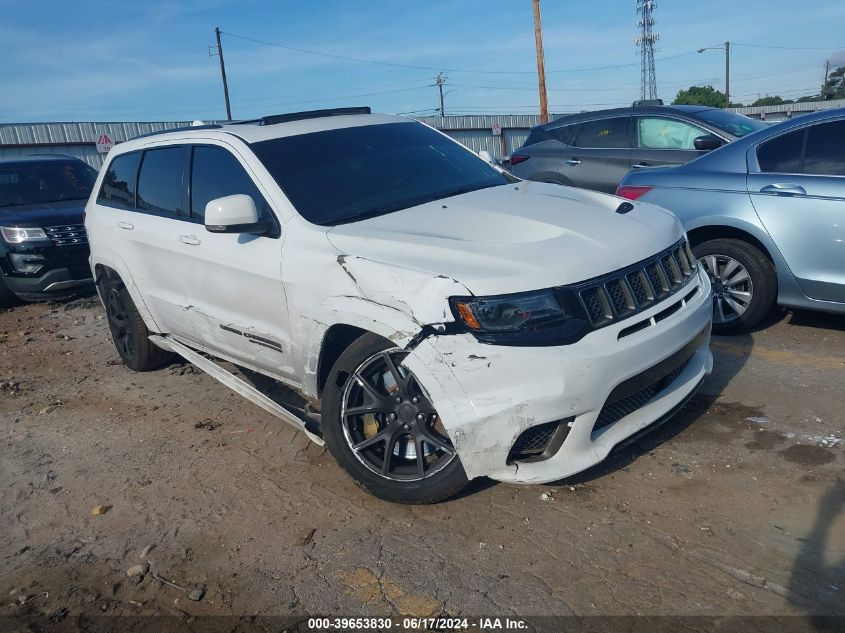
x=451 y=320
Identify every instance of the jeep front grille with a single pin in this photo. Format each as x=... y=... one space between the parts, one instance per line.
x=621 y=294
x=67 y=234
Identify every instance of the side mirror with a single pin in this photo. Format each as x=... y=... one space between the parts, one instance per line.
x=707 y=142
x=233 y=214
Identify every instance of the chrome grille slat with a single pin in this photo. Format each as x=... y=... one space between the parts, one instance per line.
x=626 y=292
x=67 y=234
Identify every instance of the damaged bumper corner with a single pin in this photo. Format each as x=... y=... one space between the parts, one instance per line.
x=488 y=395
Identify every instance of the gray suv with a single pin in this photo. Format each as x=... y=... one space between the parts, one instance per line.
x=595 y=150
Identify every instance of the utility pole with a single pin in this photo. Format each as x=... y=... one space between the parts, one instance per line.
x=727 y=74
x=727 y=48
x=541 y=67
x=439 y=81
x=219 y=53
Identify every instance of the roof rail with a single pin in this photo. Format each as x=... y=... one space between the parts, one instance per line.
x=644 y=103
x=209 y=126
x=310 y=114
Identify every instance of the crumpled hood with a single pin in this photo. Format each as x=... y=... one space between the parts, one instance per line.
x=513 y=238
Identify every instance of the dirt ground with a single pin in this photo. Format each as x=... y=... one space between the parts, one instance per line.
x=735 y=507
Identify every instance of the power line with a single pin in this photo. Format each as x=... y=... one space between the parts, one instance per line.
x=436 y=69
x=792 y=48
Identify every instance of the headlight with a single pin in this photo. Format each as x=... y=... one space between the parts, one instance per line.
x=543 y=317
x=16 y=235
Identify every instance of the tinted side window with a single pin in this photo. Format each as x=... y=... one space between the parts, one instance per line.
x=603 y=133
x=825 y=150
x=215 y=173
x=663 y=133
x=118 y=189
x=563 y=134
x=160 y=181
x=782 y=155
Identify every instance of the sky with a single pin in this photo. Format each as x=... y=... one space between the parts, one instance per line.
x=91 y=60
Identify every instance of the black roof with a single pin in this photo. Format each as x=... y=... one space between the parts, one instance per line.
x=591 y=114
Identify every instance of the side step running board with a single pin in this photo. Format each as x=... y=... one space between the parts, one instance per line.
x=236 y=384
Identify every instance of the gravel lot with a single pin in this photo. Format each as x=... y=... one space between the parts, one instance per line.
x=735 y=507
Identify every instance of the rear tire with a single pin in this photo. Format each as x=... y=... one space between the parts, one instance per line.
x=396 y=422
x=744 y=283
x=128 y=331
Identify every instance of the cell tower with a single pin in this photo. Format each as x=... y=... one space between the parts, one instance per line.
x=645 y=42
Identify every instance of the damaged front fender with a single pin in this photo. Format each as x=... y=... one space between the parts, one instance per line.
x=401 y=304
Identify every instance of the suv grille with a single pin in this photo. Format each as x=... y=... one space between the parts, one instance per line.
x=639 y=390
x=67 y=234
x=624 y=293
x=615 y=411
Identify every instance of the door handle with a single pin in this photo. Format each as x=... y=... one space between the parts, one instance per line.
x=784 y=189
x=191 y=240
x=126 y=226
x=573 y=161
x=640 y=165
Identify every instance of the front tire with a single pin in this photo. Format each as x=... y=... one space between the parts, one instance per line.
x=128 y=331
x=383 y=430
x=744 y=283
x=8 y=299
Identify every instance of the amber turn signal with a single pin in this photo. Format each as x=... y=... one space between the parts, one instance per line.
x=467 y=316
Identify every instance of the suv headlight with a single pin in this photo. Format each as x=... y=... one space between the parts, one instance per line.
x=543 y=317
x=16 y=235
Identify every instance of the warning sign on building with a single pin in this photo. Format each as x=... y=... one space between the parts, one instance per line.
x=104 y=143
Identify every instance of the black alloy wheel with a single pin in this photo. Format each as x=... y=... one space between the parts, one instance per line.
x=389 y=422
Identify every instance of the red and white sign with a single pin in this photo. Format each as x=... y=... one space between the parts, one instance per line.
x=104 y=143
x=497 y=129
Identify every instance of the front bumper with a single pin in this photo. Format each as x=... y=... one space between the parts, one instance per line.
x=65 y=269
x=488 y=395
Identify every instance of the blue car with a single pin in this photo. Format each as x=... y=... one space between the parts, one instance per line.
x=765 y=216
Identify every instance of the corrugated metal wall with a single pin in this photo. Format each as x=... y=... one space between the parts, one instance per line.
x=78 y=139
x=474 y=131
x=74 y=139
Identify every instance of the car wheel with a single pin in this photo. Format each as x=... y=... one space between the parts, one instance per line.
x=744 y=283
x=8 y=298
x=381 y=427
x=128 y=331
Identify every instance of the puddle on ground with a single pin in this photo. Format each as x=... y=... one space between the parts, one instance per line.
x=807 y=455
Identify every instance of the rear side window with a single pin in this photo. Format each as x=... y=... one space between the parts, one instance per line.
x=160 y=181
x=118 y=188
x=824 y=153
x=782 y=155
x=563 y=134
x=663 y=133
x=603 y=133
x=215 y=173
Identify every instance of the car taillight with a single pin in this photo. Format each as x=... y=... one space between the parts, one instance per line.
x=632 y=192
x=516 y=159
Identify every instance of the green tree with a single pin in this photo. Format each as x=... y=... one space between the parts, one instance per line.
x=834 y=87
x=700 y=95
x=772 y=100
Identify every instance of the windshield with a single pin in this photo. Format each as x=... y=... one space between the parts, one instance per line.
x=42 y=182
x=349 y=174
x=735 y=124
